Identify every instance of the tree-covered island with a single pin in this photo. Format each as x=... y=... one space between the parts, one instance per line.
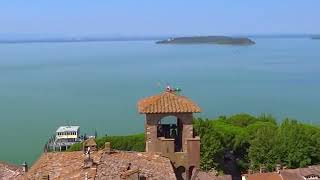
x=223 y=40
x=316 y=37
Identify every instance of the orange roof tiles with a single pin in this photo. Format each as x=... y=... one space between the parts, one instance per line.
x=201 y=175
x=290 y=174
x=150 y=165
x=63 y=165
x=286 y=174
x=70 y=165
x=9 y=171
x=309 y=171
x=264 y=176
x=167 y=102
x=300 y=173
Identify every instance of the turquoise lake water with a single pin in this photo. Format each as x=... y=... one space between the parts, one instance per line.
x=96 y=85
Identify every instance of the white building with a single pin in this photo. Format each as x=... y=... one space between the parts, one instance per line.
x=68 y=133
x=65 y=137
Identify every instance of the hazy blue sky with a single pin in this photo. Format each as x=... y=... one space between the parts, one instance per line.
x=159 y=17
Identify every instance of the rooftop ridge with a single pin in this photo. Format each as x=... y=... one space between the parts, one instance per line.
x=167 y=102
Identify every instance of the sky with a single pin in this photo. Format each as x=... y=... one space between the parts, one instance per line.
x=159 y=17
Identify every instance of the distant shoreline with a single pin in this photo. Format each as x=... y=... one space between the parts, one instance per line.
x=74 y=40
x=6 y=40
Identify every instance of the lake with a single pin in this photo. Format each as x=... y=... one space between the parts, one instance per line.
x=96 y=85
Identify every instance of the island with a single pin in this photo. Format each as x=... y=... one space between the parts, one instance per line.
x=222 y=40
x=315 y=37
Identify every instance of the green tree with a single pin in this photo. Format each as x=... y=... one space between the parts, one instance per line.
x=267 y=118
x=242 y=119
x=295 y=146
x=134 y=142
x=126 y=143
x=262 y=147
x=314 y=133
x=211 y=145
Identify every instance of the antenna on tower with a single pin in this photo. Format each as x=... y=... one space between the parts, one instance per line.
x=159 y=85
x=172 y=89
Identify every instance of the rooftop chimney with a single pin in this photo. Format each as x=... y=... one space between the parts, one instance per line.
x=24 y=166
x=278 y=168
x=45 y=177
x=107 y=147
x=262 y=168
x=88 y=161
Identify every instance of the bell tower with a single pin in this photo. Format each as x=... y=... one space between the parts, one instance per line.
x=173 y=138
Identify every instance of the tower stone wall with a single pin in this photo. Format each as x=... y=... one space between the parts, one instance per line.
x=181 y=147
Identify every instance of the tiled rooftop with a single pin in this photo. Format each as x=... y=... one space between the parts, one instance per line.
x=308 y=171
x=264 y=176
x=200 y=175
x=298 y=174
x=63 y=165
x=151 y=166
x=9 y=171
x=167 y=102
x=286 y=174
x=70 y=165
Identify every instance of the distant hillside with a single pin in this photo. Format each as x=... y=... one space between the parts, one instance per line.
x=315 y=37
x=10 y=39
x=208 y=40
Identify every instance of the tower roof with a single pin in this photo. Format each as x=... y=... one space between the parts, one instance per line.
x=167 y=102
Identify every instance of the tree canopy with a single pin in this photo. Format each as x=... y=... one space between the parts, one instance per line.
x=256 y=141
x=125 y=143
x=243 y=140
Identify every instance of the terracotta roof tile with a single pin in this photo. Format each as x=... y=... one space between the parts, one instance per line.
x=299 y=173
x=9 y=171
x=167 y=102
x=63 y=165
x=150 y=165
x=264 y=176
x=316 y=168
x=291 y=174
x=201 y=175
x=308 y=171
x=70 y=165
x=286 y=174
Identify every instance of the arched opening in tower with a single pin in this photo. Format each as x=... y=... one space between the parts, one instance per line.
x=170 y=127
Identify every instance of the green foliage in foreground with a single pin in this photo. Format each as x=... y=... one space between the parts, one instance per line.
x=75 y=147
x=257 y=141
x=126 y=143
x=254 y=141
